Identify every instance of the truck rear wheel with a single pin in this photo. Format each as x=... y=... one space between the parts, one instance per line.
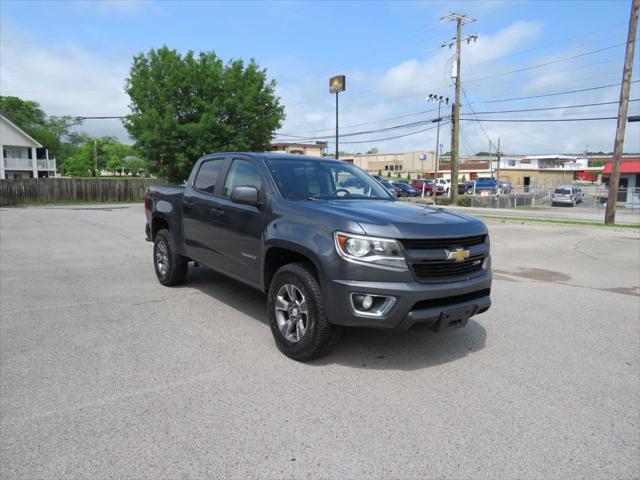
x=171 y=268
x=296 y=314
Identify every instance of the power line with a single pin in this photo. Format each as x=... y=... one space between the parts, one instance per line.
x=120 y=117
x=476 y=116
x=364 y=123
x=524 y=69
x=551 y=94
x=392 y=138
x=518 y=120
x=365 y=132
x=548 y=44
x=546 y=108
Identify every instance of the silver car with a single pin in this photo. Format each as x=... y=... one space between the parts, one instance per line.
x=566 y=195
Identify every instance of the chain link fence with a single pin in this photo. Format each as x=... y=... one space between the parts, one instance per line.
x=535 y=196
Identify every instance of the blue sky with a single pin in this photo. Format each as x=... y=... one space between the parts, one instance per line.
x=73 y=57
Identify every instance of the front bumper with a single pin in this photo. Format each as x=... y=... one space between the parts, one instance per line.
x=442 y=305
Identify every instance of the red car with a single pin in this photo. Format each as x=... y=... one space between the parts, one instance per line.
x=428 y=187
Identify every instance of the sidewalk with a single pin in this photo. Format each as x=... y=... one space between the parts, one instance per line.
x=623 y=216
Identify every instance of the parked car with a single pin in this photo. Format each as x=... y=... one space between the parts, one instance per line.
x=566 y=195
x=444 y=183
x=429 y=187
x=407 y=190
x=480 y=184
x=487 y=184
x=388 y=185
x=326 y=256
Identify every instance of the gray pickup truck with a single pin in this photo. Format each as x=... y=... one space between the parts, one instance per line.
x=328 y=244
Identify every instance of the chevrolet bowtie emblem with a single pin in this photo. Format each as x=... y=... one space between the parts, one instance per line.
x=458 y=255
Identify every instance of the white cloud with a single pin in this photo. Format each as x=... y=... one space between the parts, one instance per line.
x=66 y=80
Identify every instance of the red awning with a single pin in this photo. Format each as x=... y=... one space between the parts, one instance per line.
x=626 y=167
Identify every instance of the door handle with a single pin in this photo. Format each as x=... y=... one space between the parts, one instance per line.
x=187 y=203
x=216 y=212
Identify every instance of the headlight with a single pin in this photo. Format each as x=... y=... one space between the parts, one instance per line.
x=377 y=251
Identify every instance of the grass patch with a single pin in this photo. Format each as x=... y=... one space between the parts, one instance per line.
x=560 y=221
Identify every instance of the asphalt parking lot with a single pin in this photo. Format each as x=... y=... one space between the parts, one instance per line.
x=104 y=373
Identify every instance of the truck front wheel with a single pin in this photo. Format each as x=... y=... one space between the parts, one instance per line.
x=296 y=314
x=171 y=268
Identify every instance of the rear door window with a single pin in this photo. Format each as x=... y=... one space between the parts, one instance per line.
x=208 y=175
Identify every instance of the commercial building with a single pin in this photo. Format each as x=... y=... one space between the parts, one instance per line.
x=392 y=164
x=629 y=186
x=312 y=149
x=22 y=155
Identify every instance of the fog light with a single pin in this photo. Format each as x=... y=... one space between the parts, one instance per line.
x=371 y=305
x=367 y=302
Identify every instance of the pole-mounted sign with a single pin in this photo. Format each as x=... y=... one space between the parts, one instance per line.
x=337 y=84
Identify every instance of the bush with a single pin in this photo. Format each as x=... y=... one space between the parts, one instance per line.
x=380 y=172
x=464 y=201
x=408 y=177
x=388 y=174
x=442 y=200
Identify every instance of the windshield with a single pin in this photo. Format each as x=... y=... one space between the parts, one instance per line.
x=320 y=179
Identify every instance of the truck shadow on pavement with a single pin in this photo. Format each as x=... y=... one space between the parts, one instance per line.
x=413 y=349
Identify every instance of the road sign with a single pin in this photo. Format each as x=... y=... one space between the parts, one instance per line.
x=337 y=84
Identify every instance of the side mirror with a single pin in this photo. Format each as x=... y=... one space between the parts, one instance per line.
x=245 y=195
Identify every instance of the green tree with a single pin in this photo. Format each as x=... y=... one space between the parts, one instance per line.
x=389 y=174
x=80 y=164
x=372 y=150
x=184 y=106
x=380 y=172
x=408 y=177
x=134 y=165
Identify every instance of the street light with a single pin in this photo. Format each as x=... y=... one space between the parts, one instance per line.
x=439 y=100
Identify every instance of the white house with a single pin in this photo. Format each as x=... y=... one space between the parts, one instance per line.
x=22 y=155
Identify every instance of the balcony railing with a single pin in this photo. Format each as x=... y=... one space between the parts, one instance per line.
x=18 y=164
x=27 y=164
x=47 y=164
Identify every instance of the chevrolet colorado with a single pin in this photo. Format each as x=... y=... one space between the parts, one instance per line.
x=326 y=255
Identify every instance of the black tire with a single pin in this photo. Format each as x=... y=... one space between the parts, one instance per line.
x=429 y=193
x=320 y=335
x=469 y=191
x=176 y=265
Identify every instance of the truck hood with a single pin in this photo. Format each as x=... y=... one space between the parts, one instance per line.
x=397 y=219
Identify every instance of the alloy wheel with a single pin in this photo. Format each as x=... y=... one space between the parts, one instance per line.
x=291 y=311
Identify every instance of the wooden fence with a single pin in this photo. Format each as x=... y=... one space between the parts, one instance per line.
x=43 y=190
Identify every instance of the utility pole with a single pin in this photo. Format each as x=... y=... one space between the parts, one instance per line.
x=95 y=158
x=498 y=155
x=614 y=179
x=439 y=100
x=455 y=118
